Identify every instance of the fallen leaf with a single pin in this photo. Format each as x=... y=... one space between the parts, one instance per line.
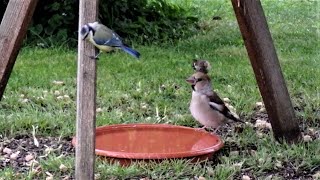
x=49 y=177
x=63 y=168
x=66 y=177
x=145 y=178
x=226 y=100
x=307 y=138
x=278 y=164
x=234 y=153
x=144 y=106
x=48 y=150
x=260 y=134
x=311 y=131
x=259 y=104
x=316 y=175
x=40 y=97
x=270 y=177
x=56 y=92
x=32 y=163
x=261 y=160
x=261 y=124
x=25 y=100
x=7 y=150
x=97 y=176
x=237 y=165
x=253 y=152
x=29 y=157
x=36 y=170
x=99 y=110
x=263 y=109
x=60 y=97
x=48 y=173
x=210 y=171
x=15 y=155
x=249 y=124
x=58 y=82
x=245 y=177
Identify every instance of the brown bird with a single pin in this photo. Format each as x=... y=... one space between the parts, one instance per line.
x=200 y=65
x=206 y=106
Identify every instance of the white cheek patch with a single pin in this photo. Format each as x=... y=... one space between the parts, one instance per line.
x=219 y=107
x=195 y=66
x=90 y=36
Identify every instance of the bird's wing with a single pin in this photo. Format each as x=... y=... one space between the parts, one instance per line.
x=105 y=36
x=115 y=41
x=217 y=104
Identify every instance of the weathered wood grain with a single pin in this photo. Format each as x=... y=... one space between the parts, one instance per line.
x=13 y=29
x=267 y=70
x=86 y=97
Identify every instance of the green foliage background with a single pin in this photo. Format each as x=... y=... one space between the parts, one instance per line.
x=56 y=21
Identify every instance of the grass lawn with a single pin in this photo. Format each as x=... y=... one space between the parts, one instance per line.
x=41 y=96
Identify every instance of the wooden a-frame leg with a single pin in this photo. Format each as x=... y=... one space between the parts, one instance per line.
x=13 y=29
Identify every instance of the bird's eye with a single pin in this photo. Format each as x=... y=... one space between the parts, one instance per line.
x=200 y=79
x=83 y=30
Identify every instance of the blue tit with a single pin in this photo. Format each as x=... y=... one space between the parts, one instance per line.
x=105 y=39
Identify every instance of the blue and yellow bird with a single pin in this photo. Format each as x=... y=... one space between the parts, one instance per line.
x=105 y=39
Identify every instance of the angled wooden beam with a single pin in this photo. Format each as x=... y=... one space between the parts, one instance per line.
x=13 y=29
x=267 y=70
x=86 y=97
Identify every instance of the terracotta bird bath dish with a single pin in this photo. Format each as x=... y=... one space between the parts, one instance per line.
x=125 y=143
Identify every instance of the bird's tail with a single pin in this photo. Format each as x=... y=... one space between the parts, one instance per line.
x=130 y=51
x=233 y=117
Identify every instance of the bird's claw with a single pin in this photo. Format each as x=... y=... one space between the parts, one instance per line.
x=93 y=57
x=216 y=130
x=201 y=129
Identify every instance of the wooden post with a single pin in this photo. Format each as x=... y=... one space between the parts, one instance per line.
x=265 y=63
x=86 y=97
x=13 y=29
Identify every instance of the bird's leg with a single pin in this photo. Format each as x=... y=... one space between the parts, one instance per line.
x=97 y=56
x=215 y=131
x=202 y=128
x=94 y=57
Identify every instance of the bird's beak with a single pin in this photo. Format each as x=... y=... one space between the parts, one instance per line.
x=191 y=80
